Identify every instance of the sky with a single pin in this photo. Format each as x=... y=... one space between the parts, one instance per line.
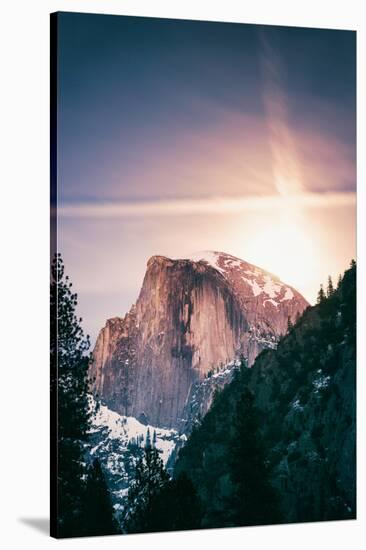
x=180 y=136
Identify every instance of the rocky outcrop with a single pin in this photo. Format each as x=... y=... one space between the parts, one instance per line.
x=191 y=316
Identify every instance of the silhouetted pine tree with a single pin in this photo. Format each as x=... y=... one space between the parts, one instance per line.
x=339 y=281
x=348 y=293
x=69 y=386
x=150 y=478
x=175 y=508
x=148 y=438
x=77 y=503
x=98 y=511
x=330 y=288
x=321 y=295
x=254 y=500
x=290 y=325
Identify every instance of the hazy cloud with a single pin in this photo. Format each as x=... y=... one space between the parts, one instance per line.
x=213 y=205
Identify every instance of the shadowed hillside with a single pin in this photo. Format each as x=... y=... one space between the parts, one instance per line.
x=300 y=403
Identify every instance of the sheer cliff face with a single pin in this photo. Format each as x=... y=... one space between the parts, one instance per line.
x=191 y=316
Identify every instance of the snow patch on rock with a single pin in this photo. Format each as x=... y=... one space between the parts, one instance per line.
x=270 y=287
x=255 y=286
x=288 y=295
x=209 y=257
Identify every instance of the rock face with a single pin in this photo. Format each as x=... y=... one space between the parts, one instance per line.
x=191 y=316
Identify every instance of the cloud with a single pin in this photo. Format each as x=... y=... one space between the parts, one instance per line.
x=210 y=205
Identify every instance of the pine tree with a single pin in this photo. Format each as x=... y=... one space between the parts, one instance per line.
x=98 y=511
x=339 y=281
x=76 y=503
x=348 y=293
x=148 y=438
x=290 y=325
x=321 y=295
x=330 y=288
x=176 y=507
x=69 y=394
x=254 y=500
x=150 y=479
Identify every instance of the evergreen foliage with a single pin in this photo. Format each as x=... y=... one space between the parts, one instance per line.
x=175 y=507
x=150 y=479
x=253 y=501
x=339 y=281
x=321 y=295
x=330 y=288
x=69 y=389
x=98 y=512
x=290 y=325
x=76 y=500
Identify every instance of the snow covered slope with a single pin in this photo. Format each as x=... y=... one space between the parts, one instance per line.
x=117 y=441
